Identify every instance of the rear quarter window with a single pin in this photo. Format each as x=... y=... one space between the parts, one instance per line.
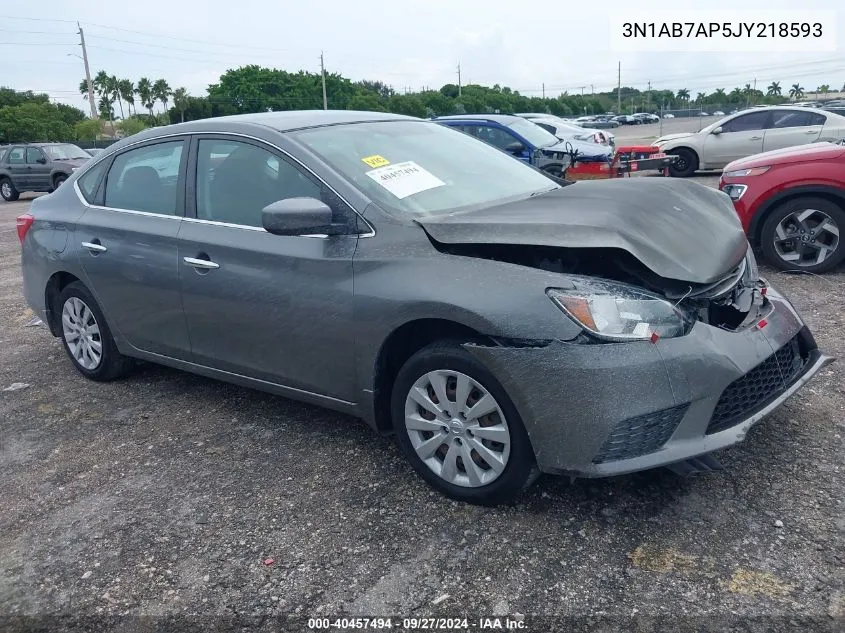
x=89 y=183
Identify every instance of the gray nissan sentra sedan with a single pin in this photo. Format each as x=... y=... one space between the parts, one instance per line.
x=501 y=323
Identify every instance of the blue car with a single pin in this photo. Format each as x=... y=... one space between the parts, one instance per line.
x=527 y=141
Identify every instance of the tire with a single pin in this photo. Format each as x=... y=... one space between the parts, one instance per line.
x=513 y=458
x=686 y=165
x=111 y=363
x=58 y=180
x=808 y=214
x=8 y=191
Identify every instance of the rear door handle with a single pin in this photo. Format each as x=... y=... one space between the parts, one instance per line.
x=201 y=263
x=755 y=138
x=811 y=132
x=94 y=247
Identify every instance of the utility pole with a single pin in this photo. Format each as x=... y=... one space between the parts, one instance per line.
x=619 y=88
x=648 y=98
x=544 y=90
x=323 y=75
x=88 y=74
x=459 y=80
x=592 y=89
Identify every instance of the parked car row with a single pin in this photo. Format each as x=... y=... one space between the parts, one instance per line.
x=399 y=270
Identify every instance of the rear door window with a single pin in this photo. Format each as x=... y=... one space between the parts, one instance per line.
x=791 y=118
x=146 y=179
x=16 y=156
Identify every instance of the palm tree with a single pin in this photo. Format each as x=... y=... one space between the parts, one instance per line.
x=127 y=92
x=774 y=89
x=114 y=93
x=180 y=101
x=796 y=92
x=145 y=94
x=103 y=85
x=161 y=91
x=83 y=88
x=683 y=94
x=699 y=98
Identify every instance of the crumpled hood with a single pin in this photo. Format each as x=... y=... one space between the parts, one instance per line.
x=586 y=150
x=676 y=228
x=673 y=137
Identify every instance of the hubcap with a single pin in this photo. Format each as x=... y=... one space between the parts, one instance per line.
x=457 y=428
x=806 y=237
x=81 y=333
x=6 y=190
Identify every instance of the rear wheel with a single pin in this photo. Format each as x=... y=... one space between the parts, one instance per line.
x=58 y=180
x=686 y=163
x=86 y=336
x=8 y=191
x=804 y=234
x=459 y=429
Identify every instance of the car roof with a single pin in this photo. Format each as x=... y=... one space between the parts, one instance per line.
x=504 y=119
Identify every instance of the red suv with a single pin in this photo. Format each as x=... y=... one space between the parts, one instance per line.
x=792 y=204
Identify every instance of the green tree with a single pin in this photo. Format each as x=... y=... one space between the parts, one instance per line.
x=683 y=95
x=127 y=92
x=87 y=130
x=161 y=92
x=796 y=92
x=114 y=93
x=180 y=102
x=33 y=121
x=131 y=126
x=823 y=89
x=145 y=94
x=774 y=89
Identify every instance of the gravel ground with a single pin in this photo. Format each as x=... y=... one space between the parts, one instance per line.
x=170 y=495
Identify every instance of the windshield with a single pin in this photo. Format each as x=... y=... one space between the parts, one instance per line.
x=423 y=168
x=65 y=151
x=533 y=133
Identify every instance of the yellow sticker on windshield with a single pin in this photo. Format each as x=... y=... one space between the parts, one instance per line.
x=376 y=161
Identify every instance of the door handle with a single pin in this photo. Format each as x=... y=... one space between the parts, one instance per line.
x=94 y=247
x=201 y=263
x=755 y=138
x=811 y=132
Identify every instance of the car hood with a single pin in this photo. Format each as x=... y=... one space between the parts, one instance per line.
x=795 y=154
x=678 y=229
x=673 y=137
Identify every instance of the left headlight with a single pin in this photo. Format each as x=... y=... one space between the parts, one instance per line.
x=619 y=312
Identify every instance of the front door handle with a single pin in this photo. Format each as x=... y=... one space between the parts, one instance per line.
x=755 y=138
x=94 y=247
x=204 y=264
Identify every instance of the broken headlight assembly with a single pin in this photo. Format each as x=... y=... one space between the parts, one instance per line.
x=619 y=312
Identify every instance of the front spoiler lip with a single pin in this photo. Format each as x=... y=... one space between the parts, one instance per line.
x=709 y=443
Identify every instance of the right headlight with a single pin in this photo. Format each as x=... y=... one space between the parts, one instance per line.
x=618 y=312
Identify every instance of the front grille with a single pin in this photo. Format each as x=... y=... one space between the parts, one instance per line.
x=745 y=395
x=641 y=435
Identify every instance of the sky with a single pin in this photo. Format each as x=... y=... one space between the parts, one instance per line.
x=409 y=44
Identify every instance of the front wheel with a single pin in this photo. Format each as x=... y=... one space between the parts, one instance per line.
x=57 y=182
x=459 y=429
x=804 y=234
x=8 y=191
x=685 y=165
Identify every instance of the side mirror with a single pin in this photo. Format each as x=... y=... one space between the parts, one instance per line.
x=41 y=160
x=298 y=216
x=515 y=148
x=717 y=131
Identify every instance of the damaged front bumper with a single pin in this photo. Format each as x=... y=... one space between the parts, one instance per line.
x=608 y=409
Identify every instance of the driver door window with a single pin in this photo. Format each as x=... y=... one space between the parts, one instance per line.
x=32 y=155
x=236 y=180
x=495 y=136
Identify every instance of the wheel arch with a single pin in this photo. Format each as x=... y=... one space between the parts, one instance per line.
x=57 y=282
x=402 y=343
x=833 y=194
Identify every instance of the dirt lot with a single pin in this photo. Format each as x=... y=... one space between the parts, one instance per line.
x=166 y=494
x=642 y=134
